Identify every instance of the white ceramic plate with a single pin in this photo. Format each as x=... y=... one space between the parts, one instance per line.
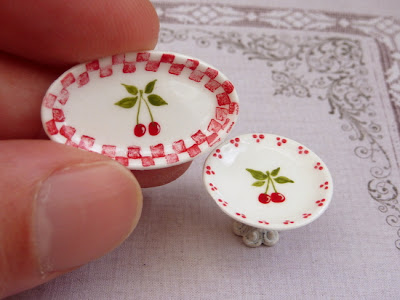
x=146 y=110
x=268 y=181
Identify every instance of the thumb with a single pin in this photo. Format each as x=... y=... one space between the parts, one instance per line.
x=60 y=208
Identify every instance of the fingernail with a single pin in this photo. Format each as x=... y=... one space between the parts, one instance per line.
x=82 y=212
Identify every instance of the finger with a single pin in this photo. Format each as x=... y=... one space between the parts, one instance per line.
x=65 y=31
x=60 y=208
x=22 y=87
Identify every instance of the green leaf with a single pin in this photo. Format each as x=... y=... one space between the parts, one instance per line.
x=156 y=100
x=150 y=86
x=283 y=179
x=131 y=89
x=128 y=102
x=258 y=183
x=257 y=174
x=275 y=172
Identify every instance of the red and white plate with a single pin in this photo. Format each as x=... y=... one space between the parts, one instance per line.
x=268 y=181
x=146 y=110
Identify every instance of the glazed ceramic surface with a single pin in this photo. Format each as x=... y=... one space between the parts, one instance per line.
x=146 y=110
x=268 y=181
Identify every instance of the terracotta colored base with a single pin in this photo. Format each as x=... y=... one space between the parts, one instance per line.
x=152 y=178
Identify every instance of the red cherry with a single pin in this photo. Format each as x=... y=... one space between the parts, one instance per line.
x=264 y=198
x=277 y=197
x=154 y=128
x=139 y=130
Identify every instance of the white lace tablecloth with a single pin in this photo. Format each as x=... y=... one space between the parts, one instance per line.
x=326 y=79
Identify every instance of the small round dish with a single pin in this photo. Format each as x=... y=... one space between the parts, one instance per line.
x=146 y=110
x=268 y=181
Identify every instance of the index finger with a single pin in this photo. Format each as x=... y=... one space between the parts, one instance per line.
x=65 y=32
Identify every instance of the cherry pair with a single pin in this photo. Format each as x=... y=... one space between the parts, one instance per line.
x=140 y=129
x=274 y=197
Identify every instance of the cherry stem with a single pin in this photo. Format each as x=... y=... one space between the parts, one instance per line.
x=140 y=104
x=148 y=108
x=266 y=190
x=273 y=185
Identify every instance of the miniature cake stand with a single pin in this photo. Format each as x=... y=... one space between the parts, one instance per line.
x=146 y=110
x=267 y=183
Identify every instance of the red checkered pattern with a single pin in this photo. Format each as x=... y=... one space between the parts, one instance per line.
x=106 y=71
x=51 y=127
x=63 y=97
x=212 y=82
x=49 y=100
x=179 y=146
x=147 y=161
x=199 y=137
x=134 y=152
x=176 y=69
x=171 y=158
x=109 y=150
x=223 y=99
x=214 y=126
x=212 y=139
x=93 y=66
x=221 y=113
x=68 y=80
x=122 y=160
x=67 y=131
x=194 y=150
x=86 y=142
x=58 y=115
x=157 y=151
x=118 y=59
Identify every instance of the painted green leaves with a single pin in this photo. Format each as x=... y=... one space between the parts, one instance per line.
x=130 y=102
x=261 y=177
x=127 y=102
x=141 y=95
x=269 y=177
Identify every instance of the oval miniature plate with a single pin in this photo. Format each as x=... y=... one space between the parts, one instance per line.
x=146 y=110
x=267 y=181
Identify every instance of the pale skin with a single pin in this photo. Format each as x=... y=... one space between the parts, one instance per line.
x=38 y=41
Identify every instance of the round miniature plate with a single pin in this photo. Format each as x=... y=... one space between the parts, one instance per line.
x=147 y=110
x=268 y=181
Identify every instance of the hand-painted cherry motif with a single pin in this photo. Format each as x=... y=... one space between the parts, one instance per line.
x=154 y=128
x=306 y=215
x=264 y=198
x=153 y=99
x=139 y=130
x=270 y=177
x=277 y=197
x=320 y=202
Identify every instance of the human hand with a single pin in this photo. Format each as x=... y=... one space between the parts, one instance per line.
x=60 y=207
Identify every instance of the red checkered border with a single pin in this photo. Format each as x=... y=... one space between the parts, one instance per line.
x=225 y=113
